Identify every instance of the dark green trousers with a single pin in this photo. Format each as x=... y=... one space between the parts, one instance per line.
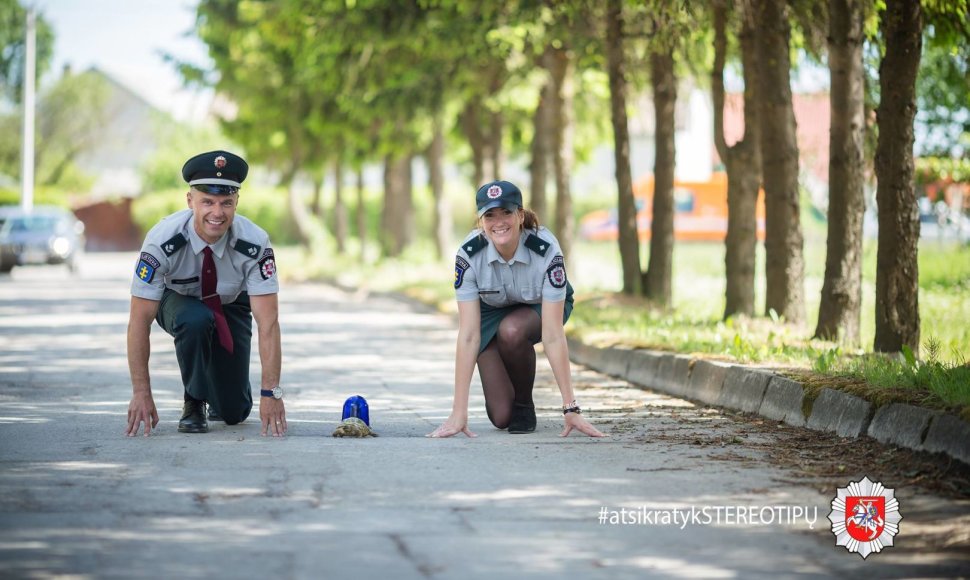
x=209 y=372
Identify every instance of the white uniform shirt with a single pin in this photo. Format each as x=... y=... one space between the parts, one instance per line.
x=535 y=273
x=171 y=257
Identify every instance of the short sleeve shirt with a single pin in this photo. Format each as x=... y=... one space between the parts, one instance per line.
x=171 y=257
x=535 y=273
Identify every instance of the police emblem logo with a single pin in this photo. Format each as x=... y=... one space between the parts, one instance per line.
x=267 y=264
x=556 y=272
x=169 y=248
x=146 y=266
x=461 y=266
x=494 y=192
x=220 y=162
x=865 y=517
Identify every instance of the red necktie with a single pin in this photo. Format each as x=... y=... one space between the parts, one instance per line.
x=211 y=299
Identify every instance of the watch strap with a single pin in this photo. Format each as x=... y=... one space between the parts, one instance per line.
x=266 y=392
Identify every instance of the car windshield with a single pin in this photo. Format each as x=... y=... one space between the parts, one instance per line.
x=34 y=223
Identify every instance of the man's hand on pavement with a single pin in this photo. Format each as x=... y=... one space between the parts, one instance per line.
x=141 y=409
x=273 y=416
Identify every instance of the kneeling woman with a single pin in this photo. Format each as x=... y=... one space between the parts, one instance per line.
x=510 y=282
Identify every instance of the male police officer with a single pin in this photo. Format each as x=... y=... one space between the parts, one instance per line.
x=203 y=274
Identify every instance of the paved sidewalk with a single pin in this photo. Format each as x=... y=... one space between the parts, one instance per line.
x=78 y=498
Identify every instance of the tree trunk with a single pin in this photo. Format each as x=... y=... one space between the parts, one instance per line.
x=538 y=168
x=784 y=262
x=397 y=228
x=562 y=145
x=436 y=179
x=298 y=210
x=339 y=208
x=315 y=201
x=495 y=129
x=657 y=284
x=626 y=209
x=897 y=274
x=742 y=162
x=839 y=309
x=361 y=215
x=476 y=141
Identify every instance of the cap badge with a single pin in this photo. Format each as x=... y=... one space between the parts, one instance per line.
x=494 y=192
x=220 y=162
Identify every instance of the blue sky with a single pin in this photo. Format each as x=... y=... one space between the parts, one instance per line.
x=124 y=39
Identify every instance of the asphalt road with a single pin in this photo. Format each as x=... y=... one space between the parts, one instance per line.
x=78 y=498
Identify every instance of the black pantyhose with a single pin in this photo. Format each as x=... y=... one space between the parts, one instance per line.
x=507 y=366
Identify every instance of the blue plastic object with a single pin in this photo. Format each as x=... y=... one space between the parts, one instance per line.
x=356 y=406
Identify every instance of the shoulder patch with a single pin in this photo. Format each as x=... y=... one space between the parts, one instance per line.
x=461 y=266
x=474 y=245
x=556 y=272
x=267 y=264
x=173 y=244
x=246 y=249
x=146 y=266
x=537 y=244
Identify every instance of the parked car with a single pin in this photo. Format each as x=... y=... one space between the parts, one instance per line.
x=45 y=235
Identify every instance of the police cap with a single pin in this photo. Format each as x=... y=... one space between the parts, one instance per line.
x=498 y=194
x=216 y=172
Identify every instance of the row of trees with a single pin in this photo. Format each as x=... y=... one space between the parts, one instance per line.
x=319 y=84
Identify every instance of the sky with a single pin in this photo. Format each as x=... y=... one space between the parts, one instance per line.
x=124 y=38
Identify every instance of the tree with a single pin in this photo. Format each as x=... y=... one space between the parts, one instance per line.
x=839 y=309
x=626 y=215
x=742 y=162
x=657 y=281
x=13 y=32
x=784 y=263
x=897 y=271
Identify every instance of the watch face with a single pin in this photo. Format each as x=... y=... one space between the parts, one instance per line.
x=278 y=392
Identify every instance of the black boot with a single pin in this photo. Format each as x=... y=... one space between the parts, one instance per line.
x=193 y=417
x=211 y=413
x=523 y=419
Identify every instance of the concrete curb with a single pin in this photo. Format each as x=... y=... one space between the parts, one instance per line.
x=779 y=398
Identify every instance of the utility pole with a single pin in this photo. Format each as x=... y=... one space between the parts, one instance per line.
x=30 y=75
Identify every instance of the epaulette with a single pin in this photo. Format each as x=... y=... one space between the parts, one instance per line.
x=246 y=249
x=537 y=245
x=173 y=244
x=474 y=245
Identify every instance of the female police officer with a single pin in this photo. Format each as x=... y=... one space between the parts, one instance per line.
x=203 y=274
x=510 y=282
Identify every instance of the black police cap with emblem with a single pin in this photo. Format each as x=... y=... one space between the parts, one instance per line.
x=498 y=194
x=216 y=172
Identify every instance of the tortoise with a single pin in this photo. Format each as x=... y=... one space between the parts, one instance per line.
x=353 y=427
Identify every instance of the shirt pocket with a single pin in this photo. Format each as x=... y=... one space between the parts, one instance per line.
x=186 y=286
x=532 y=294
x=494 y=296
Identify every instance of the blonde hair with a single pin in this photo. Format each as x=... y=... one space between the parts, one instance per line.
x=530 y=221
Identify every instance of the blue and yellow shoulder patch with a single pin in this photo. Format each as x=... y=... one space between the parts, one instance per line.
x=537 y=245
x=474 y=245
x=246 y=249
x=146 y=267
x=461 y=266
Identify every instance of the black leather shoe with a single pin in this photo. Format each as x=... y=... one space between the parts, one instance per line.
x=523 y=419
x=211 y=414
x=193 y=418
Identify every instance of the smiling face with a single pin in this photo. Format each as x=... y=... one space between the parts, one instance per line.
x=212 y=214
x=503 y=226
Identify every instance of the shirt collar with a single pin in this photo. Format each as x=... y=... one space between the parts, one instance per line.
x=198 y=244
x=522 y=253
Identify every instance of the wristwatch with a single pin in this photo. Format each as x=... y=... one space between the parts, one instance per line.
x=276 y=392
x=571 y=408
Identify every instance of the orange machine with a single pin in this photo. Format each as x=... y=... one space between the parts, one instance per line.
x=700 y=211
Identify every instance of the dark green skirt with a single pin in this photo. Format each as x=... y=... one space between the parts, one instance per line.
x=492 y=316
